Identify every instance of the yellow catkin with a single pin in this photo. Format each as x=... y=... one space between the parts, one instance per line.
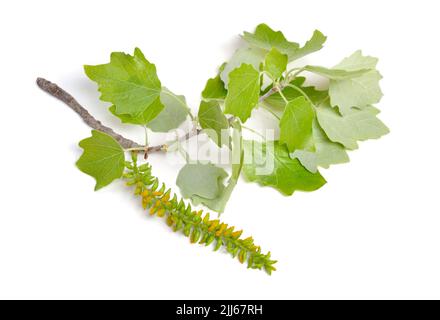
x=170 y=221
x=152 y=210
x=161 y=212
x=237 y=234
x=213 y=225
x=145 y=193
x=220 y=231
x=228 y=231
x=241 y=256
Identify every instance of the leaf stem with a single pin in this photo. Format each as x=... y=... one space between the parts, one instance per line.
x=146 y=135
x=302 y=92
x=283 y=96
x=298 y=71
x=270 y=111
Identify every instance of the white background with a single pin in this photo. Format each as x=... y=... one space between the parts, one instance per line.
x=372 y=232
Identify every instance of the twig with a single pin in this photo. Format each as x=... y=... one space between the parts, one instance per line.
x=268 y=94
x=65 y=97
x=62 y=95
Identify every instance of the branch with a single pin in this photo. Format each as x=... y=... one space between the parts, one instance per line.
x=269 y=93
x=62 y=95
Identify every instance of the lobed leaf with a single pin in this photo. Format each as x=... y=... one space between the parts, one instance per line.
x=102 y=158
x=271 y=165
x=202 y=180
x=358 y=125
x=174 y=113
x=214 y=89
x=252 y=56
x=265 y=38
x=130 y=83
x=360 y=91
x=326 y=152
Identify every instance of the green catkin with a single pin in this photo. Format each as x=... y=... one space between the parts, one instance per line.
x=195 y=225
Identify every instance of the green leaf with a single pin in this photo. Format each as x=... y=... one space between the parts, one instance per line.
x=271 y=165
x=265 y=38
x=171 y=117
x=130 y=83
x=103 y=158
x=218 y=204
x=296 y=124
x=326 y=152
x=358 y=125
x=357 y=92
x=276 y=101
x=314 y=44
x=308 y=159
x=275 y=63
x=252 y=56
x=243 y=93
x=336 y=74
x=212 y=119
x=357 y=62
x=214 y=89
x=202 y=180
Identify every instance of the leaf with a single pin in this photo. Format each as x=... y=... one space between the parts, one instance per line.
x=103 y=158
x=252 y=56
x=296 y=124
x=130 y=83
x=326 y=152
x=358 y=125
x=266 y=38
x=276 y=101
x=202 y=180
x=287 y=175
x=357 y=62
x=314 y=44
x=171 y=117
x=243 y=93
x=357 y=92
x=275 y=63
x=140 y=119
x=218 y=204
x=308 y=159
x=214 y=89
x=336 y=74
x=212 y=118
